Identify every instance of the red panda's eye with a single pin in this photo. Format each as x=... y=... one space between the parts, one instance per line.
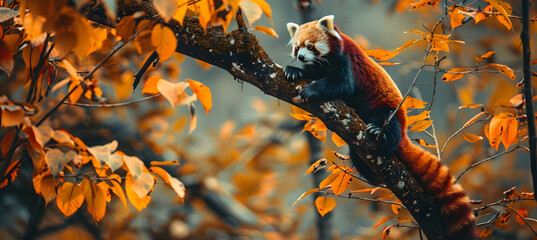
x=309 y=46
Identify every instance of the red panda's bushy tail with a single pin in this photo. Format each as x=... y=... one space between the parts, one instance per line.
x=457 y=214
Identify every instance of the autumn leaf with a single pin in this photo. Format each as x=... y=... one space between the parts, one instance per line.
x=104 y=154
x=386 y=232
x=11 y=115
x=13 y=171
x=305 y=194
x=453 y=74
x=70 y=198
x=150 y=85
x=421 y=126
x=251 y=11
x=138 y=202
x=164 y=163
x=484 y=56
x=163 y=39
x=424 y=143
x=62 y=137
x=456 y=18
x=142 y=182
x=326 y=182
x=416 y=118
x=341 y=182
x=522 y=213
x=381 y=221
x=505 y=70
x=383 y=55
x=6 y=142
x=266 y=30
x=45 y=185
x=422 y=3
x=316 y=166
x=166 y=8
x=411 y=102
x=325 y=204
x=176 y=185
x=485 y=232
x=202 y=92
x=95 y=195
x=470 y=106
x=338 y=140
x=509 y=131
x=56 y=159
x=395 y=207
x=174 y=92
x=474 y=118
x=472 y=137
x=264 y=6
x=118 y=191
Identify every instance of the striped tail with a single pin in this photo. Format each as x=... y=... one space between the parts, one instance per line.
x=457 y=214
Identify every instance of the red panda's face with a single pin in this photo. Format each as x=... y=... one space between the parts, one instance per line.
x=311 y=40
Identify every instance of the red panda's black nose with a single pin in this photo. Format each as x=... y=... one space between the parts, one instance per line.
x=301 y=58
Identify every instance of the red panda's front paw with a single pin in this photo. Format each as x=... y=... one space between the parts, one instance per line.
x=372 y=135
x=308 y=93
x=292 y=73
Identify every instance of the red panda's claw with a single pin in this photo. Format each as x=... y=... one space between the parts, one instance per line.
x=292 y=73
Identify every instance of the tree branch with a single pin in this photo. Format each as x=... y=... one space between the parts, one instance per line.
x=242 y=56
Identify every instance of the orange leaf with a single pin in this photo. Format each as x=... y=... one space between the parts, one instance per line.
x=487 y=55
x=381 y=221
x=326 y=182
x=422 y=3
x=104 y=154
x=416 y=118
x=62 y=137
x=125 y=27
x=118 y=191
x=386 y=232
x=325 y=204
x=6 y=142
x=454 y=74
x=173 y=92
x=95 y=196
x=150 y=85
x=472 y=137
x=395 y=207
x=424 y=143
x=341 y=182
x=300 y=114
x=204 y=65
x=13 y=169
x=470 y=106
x=180 y=12
x=56 y=159
x=510 y=131
x=338 y=140
x=164 y=41
x=316 y=166
x=251 y=11
x=456 y=18
x=371 y=190
x=475 y=118
x=138 y=202
x=11 y=115
x=505 y=70
x=341 y=156
x=420 y=126
x=266 y=30
x=45 y=185
x=411 y=102
x=142 y=182
x=176 y=185
x=164 y=163
x=203 y=93
x=264 y=6
x=70 y=198
x=305 y=194
x=522 y=213
x=166 y=8
x=383 y=55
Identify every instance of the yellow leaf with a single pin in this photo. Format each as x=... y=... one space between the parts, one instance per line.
x=411 y=102
x=11 y=115
x=504 y=9
x=300 y=114
x=422 y=3
x=181 y=11
x=453 y=74
x=424 y=143
x=150 y=85
x=77 y=93
x=264 y=6
x=173 y=92
x=316 y=166
x=420 y=126
x=164 y=163
x=95 y=198
x=305 y=194
x=325 y=204
x=118 y=191
x=266 y=30
x=510 y=131
x=381 y=221
x=176 y=185
x=341 y=182
x=383 y=55
x=138 y=202
x=472 y=137
x=326 y=182
x=123 y=85
x=416 y=118
x=456 y=18
x=251 y=11
x=70 y=198
x=166 y=8
x=56 y=159
x=338 y=140
x=505 y=70
x=470 y=106
x=203 y=93
x=163 y=39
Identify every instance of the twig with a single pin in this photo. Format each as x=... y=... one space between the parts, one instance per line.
x=143 y=69
x=484 y=160
x=110 y=105
x=455 y=134
x=526 y=53
x=493 y=13
x=366 y=199
x=521 y=217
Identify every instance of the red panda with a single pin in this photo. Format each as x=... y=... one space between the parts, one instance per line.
x=342 y=70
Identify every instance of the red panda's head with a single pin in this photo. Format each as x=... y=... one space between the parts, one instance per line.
x=314 y=39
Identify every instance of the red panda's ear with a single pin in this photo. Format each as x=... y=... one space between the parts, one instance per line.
x=292 y=27
x=327 y=24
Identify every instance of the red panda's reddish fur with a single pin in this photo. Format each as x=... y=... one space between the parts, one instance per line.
x=381 y=91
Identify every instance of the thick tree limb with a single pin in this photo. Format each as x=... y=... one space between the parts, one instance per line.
x=239 y=53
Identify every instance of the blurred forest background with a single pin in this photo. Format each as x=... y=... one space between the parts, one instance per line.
x=243 y=163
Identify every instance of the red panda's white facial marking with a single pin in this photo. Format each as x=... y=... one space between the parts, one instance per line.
x=311 y=40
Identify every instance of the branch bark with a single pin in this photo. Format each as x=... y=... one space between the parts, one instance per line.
x=528 y=90
x=239 y=53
